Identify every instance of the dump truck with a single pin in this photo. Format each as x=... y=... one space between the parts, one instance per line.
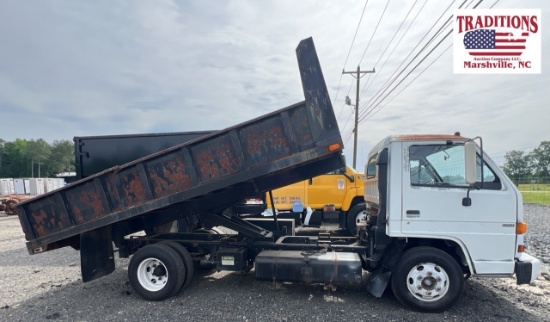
x=334 y=196
x=409 y=240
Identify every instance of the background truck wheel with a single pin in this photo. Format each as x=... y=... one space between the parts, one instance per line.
x=187 y=262
x=355 y=214
x=427 y=279
x=156 y=272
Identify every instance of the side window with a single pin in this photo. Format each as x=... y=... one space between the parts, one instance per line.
x=339 y=171
x=488 y=174
x=370 y=171
x=420 y=174
x=443 y=165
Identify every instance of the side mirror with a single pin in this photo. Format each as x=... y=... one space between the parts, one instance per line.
x=470 y=156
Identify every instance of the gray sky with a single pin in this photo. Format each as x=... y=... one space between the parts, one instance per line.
x=77 y=68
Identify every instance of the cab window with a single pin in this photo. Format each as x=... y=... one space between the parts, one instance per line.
x=371 y=167
x=443 y=165
x=339 y=171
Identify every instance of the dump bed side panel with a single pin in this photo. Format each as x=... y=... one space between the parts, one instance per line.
x=94 y=154
x=278 y=145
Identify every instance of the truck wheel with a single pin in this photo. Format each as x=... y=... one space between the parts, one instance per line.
x=427 y=279
x=156 y=272
x=187 y=261
x=357 y=213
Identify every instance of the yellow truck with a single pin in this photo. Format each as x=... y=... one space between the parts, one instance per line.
x=335 y=194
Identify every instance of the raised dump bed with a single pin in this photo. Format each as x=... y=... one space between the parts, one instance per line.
x=205 y=175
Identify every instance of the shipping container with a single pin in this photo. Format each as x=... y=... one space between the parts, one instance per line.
x=48 y=185
x=19 y=185
x=36 y=186
x=6 y=186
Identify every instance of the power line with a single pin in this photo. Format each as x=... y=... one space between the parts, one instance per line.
x=414 y=68
x=374 y=33
x=392 y=39
x=389 y=43
x=347 y=57
x=392 y=79
x=411 y=80
x=372 y=107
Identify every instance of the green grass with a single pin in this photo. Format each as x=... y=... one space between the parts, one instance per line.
x=535 y=193
x=534 y=187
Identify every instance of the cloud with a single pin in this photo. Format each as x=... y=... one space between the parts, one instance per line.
x=115 y=67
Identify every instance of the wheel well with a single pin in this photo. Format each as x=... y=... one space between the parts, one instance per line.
x=355 y=201
x=450 y=247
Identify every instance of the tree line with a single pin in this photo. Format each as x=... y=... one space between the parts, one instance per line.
x=532 y=167
x=24 y=158
x=35 y=158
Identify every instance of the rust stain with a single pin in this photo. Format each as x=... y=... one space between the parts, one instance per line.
x=169 y=177
x=226 y=159
x=277 y=139
x=428 y=137
x=113 y=194
x=255 y=144
x=77 y=214
x=91 y=200
x=133 y=189
x=39 y=220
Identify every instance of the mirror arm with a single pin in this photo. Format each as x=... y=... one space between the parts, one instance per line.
x=350 y=178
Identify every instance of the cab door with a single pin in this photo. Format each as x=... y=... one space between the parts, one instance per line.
x=286 y=196
x=432 y=192
x=327 y=189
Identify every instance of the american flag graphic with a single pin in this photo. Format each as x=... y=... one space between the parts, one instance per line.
x=488 y=42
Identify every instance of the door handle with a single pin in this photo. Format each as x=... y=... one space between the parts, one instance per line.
x=413 y=213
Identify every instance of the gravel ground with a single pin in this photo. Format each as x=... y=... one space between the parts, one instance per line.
x=48 y=287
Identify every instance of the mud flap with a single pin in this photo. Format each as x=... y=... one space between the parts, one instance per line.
x=96 y=254
x=378 y=280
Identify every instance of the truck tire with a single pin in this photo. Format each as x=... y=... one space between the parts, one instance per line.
x=156 y=272
x=355 y=214
x=187 y=262
x=427 y=279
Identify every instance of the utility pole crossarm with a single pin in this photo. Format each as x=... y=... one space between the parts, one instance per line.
x=357 y=76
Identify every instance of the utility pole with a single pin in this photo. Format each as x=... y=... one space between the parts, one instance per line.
x=358 y=76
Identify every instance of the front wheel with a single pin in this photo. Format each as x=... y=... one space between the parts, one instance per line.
x=156 y=272
x=427 y=279
x=357 y=214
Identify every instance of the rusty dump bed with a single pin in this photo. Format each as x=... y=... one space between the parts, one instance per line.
x=205 y=174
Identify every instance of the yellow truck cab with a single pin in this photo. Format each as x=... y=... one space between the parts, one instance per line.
x=337 y=193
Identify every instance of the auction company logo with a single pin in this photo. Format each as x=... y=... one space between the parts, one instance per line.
x=497 y=41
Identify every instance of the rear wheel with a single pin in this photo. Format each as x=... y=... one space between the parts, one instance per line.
x=427 y=279
x=187 y=261
x=156 y=272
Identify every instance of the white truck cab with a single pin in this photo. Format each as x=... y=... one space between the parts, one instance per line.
x=449 y=224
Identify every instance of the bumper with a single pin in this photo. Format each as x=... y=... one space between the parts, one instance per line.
x=527 y=269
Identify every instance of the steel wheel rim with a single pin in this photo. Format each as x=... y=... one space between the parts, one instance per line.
x=428 y=282
x=361 y=217
x=152 y=274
